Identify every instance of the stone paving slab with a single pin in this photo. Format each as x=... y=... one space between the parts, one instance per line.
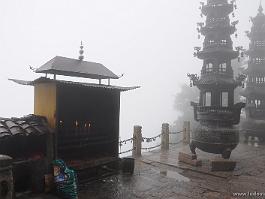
x=171 y=158
x=159 y=175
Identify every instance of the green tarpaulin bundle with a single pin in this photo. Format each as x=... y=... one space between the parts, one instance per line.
x=65 y=180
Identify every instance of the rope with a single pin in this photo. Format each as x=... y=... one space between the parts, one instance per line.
x=126 y=151
x=175 y=143
x=172 y=133
x=151 y=139
x=146 y=139
x=125 y=141
x=153 y=147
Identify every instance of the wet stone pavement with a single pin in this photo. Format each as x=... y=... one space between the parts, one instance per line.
x=159 y=175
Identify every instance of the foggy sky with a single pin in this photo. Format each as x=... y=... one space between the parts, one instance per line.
x=150 y=41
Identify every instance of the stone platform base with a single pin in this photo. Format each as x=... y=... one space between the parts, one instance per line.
x=190 y=159
x=222 y=165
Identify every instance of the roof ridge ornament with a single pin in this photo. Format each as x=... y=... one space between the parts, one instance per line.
x=81 y=52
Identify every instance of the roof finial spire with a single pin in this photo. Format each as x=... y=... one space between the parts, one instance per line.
x=260 y=7
x=81 y=51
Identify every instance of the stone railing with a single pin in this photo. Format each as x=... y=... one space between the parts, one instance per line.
x=138 y=139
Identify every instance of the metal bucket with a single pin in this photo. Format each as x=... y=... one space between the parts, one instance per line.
x=127 y=165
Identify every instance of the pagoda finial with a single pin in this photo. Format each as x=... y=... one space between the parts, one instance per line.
x=81 y=51
x=260 y=7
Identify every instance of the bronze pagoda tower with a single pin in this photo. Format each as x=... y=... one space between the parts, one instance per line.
x=254 y=124
x=216 y=112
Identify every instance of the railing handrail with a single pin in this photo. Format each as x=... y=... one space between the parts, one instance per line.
x=214 y=108
x=142 y=139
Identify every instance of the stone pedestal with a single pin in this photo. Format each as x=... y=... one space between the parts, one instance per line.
x=222 y=165
x=190 y=159
x=6 y=178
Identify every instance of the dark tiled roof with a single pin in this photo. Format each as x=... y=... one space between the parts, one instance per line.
x=45 y=80
x=77 y=68
x=25 y=126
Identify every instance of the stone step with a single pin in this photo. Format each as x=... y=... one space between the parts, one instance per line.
x=190 y=159
x=222 y=165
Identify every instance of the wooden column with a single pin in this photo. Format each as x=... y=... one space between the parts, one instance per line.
x=137 y=141
x=165 y=137
x=186 y=132
x=50 y=147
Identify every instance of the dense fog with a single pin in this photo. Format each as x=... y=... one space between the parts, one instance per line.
x=149 y=41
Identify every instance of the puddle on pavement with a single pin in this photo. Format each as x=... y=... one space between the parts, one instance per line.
x=173 y=175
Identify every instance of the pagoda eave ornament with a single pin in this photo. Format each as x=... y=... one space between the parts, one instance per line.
x=240 y=80
x=194 y=78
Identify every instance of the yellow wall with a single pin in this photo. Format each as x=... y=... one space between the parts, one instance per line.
x=45 y=101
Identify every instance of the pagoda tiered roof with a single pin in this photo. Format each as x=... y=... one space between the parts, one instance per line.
x=217 y=23
x=256 y=52
x=217 y=7
x=255 y=69
x=260 y=18
x=254 y=91
x=218 y=50
x=225 y=29
x=217 y=81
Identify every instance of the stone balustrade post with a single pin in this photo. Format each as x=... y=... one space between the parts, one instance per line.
x=137 y=141
x=186 y=132
x=165 y=137
x=6 y=177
